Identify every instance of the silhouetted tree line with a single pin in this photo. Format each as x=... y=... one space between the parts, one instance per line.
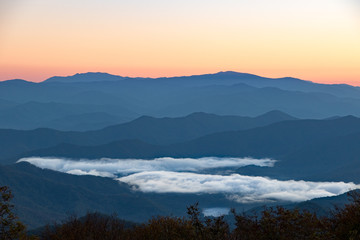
x=272 y=224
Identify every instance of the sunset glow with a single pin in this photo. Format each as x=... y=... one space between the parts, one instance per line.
x=312 y=40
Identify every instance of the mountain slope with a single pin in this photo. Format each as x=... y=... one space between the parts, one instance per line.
x=241 y=98
x=148 y=129
x=43 y=196
x=33 y=115
x=84 y=121
x=224 y=93
x=172 y=130
x=306 y=149
x=226 y=78
x=86 y=77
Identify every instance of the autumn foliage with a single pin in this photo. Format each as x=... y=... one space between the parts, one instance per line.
x=10 y=226
x=272 y=224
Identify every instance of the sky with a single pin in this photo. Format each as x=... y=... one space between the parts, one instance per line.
x=316 y=40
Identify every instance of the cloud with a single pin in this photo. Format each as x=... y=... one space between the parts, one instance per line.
x=215 y=212
x=109 y=167
x=92 y=172
x=237 y=187
x=182 y=175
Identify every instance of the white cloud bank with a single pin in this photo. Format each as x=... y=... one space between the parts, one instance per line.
x=106 y=167
x=182 y=175
x=216 y=212
x=238 y=187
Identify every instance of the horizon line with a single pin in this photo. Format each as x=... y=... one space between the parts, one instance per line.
x=174 y=76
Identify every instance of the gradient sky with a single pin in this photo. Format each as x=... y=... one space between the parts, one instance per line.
x=317 y=40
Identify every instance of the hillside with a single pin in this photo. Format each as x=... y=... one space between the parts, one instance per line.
x=305 y=149
x=147 y=129
x=55 y=102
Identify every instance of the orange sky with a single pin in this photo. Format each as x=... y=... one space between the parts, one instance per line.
x=317 y=40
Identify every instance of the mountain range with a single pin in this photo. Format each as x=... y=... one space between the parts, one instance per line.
x=92 y=101
x=148 y=129
x=304 y=149
x=310 y=130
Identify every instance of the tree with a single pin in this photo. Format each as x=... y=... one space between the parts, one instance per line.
x=281 y=224
x=345 y=222
x=10 y=227
x=93 y=226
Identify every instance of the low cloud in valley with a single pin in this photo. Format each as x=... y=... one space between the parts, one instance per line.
x=109 y=167
x=184 y=175
x=238 y=187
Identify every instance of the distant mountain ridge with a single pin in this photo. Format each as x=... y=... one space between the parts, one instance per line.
x=306 y=149
x=44 y=196
x=115 y=99
x=101 y=76
x=148 y=129
x=97 y=115
x=86 y=77
x=228 y=77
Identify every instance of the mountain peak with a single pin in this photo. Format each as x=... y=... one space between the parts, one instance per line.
x=16 y=81
x=200 y=114
x=93 y=74
x=86 y=77
x=277 y=115
x=349 y=117
x=234 y=74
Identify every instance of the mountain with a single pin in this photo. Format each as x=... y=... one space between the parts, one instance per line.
x=4 y=104
x=172 y=130
x=324 y=150
x=338 y=156
x=224 y=93
x=226 y=78
x=65 y=116
x=86 y=77
x=88 y=111
x=123 y=149
x=43 y=196
x=324 y=206
x=83 y=122
x=305 y=149
x=242 y=98
x=274 y=140
x=148 y=129
x=15 y=82
x=292 y=84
